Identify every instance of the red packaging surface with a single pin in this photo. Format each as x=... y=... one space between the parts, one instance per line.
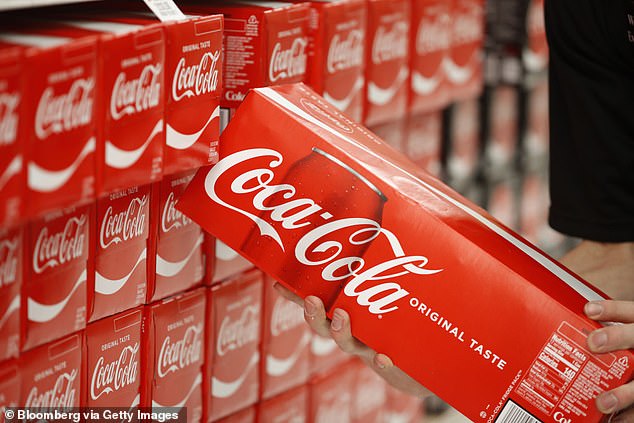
x=288 y=407
x=423 y=139
x=535 y=53
x=233 y=356
x=401 y=407
x=112 y=363
x=331 y=396
x=12 y=135
x=429 y=90
x=463 y=66
x=336 y=53
x=387 y=60
x=501 y=146
x=325 y=355
x=51 y=375
x=369 y=399
x=393 y=133
x=59 y=117
x=192 y=111
x=9 y=386
x=173 y=345
x=121 y=233
x=247 y=415
x=53 y=299
x=226 y=261
x=131 y=114
x=11 y=267
x=265 y=43
x=435 y=265
x=178 y=262
x=286 y=342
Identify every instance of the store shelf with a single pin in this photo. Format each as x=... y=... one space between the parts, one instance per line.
x=24 y=4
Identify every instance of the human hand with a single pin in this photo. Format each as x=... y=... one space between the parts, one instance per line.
x=339 y=330
x=613 y=338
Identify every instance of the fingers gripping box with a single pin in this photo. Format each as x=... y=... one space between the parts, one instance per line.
x=53 y=299
x=51 y=375
x=11 y=268
x=112 y=363
x=173 y=341
x=235 y=322
x=342 y=216
x=120 y=277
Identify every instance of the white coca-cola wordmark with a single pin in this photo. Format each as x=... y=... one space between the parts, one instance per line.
x=286 y=316
x=467 y=26
x=110 y=377
x=61 y=395
x=234 y=334
x=136 y=95
x=390 y=44
x=9 y=261
x=52 y=250
x=125 y=225
x=432 y=34
x=324 y=237
x=197 y=79
x=61 y=113
x=347 y=53
x=290 y=62
x=9 y=117
x=173 y=218
x=175 y=356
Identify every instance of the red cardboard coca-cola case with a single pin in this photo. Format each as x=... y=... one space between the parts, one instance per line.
x=336 y=53
x=9 y=386
x=463 y=65
x=288 y=407
x=369 y=399
x=286 y=340
x=401 y=407
x=368 y=232
x=387 y=61
x=331 y=396
x=177 y=262
x=112 y=362
x=58 y=122
x=11 y=268
x=248 y=415
x=51 y=377
x=265 y=43
x=131 y=113
x=535 y=54
x=423 y=141
x=53 y=299
x=12 y=135
x=119 y=280
x=173 y=344
x=393 y=133
x=325 y=355
x=429 y=90
x=233 y=357
x=222 y=261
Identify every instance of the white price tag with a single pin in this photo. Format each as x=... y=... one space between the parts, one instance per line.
x=165 y=10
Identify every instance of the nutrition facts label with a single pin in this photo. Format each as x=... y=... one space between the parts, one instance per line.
x=565 y=376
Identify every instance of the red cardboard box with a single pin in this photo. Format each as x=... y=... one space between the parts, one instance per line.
x=393 y=133
x=247 y=415
x=265 y=43
x=331 y=396
x=121 y=234
x=59 y=115
x=429 y=46
x=177 y=243
x=12 y=135
x=423 y=141
x=463 y=66
x=325 y=355
x=51 y=375
x=112 y=363
x=369 y=399
x=336 y=53
x=401 y=407
x=233 y=357
x=286 y=342
x=173 y=345
x=387 y=61
x=53 y=299
x=412 y=257
x=9 y=386
x=11 y=268
x=225 y=261
x=288 y=407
